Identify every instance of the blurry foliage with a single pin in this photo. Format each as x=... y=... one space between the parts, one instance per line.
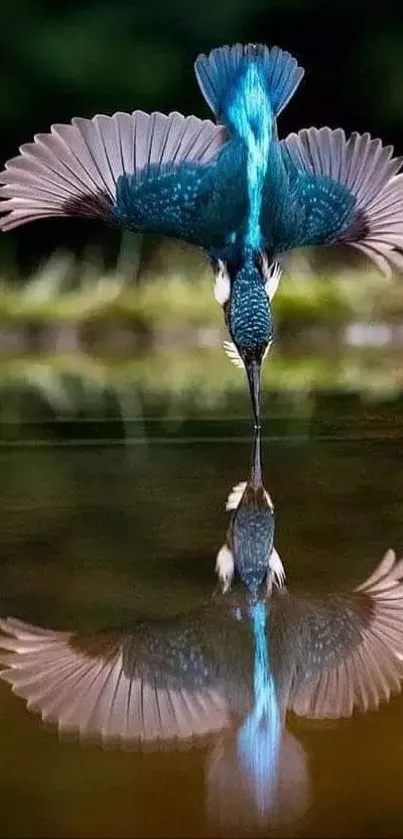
x=172 y=290
x=83 y=57
x=180 y=384
x=81 y=340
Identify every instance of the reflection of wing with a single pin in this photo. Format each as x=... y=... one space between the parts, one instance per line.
x=147 y=172
x=347 y=190
x=192 y=675
x=162 y=680
x=350 y=648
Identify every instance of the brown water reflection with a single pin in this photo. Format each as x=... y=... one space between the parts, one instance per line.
x=98 y=535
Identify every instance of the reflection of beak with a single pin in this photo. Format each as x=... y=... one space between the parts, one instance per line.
x=253 y=373
x=256 y=467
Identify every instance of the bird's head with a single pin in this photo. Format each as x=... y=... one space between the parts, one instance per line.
x=249 y=319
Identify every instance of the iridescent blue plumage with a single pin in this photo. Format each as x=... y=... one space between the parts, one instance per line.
x=187 y=201
x=251 y=196
x=259 y=738
x=249 y=548
x=249 y=199
x=249 y=310
x=247 y=111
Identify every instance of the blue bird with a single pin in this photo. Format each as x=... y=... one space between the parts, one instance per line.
x=233 y=188
x=249 y=547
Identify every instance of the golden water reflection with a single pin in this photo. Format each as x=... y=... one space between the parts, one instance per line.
x=94 y=536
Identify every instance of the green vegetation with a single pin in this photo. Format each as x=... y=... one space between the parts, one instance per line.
x=183 y=382
x=77 y=335
x=174 y=291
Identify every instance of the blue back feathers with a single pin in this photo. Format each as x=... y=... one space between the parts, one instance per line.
x=247 y=87
x=259 y=739
x=250 y=196
x=248 y=111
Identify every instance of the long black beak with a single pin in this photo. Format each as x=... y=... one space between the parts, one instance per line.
x=253 y=373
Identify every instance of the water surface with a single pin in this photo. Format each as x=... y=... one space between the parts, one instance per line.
x=103 y=521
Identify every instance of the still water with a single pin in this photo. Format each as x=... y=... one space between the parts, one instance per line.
x=101 y=525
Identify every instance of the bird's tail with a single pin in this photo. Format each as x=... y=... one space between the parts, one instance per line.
x=219 y=72
x=230 y=791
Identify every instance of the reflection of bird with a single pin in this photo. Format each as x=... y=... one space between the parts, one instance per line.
x=233 y=189
x=249 y=547
x=191 y=676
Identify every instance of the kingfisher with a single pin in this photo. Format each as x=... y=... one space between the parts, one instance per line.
x=249 y=548
x=183 y=678
x=231 y=187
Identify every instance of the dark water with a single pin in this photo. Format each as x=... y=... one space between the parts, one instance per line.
x=100 y=524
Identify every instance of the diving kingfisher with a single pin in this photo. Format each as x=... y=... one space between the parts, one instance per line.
x=232 y=188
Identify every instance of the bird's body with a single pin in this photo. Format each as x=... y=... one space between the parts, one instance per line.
x=249 y=548
x=234 y=189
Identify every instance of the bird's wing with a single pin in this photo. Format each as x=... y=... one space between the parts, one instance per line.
x=347 y=190
x=149 y=172
x=162 y=680
x=350 y=647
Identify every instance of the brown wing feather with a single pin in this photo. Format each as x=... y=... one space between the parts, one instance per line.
x=370 y=172
x=352 y=647
x=109 y=684
x=73 y=170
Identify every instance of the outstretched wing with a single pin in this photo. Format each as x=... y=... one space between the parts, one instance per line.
x=148 y=172
x=350 y=648
x=347 y=191
x=163 y=680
